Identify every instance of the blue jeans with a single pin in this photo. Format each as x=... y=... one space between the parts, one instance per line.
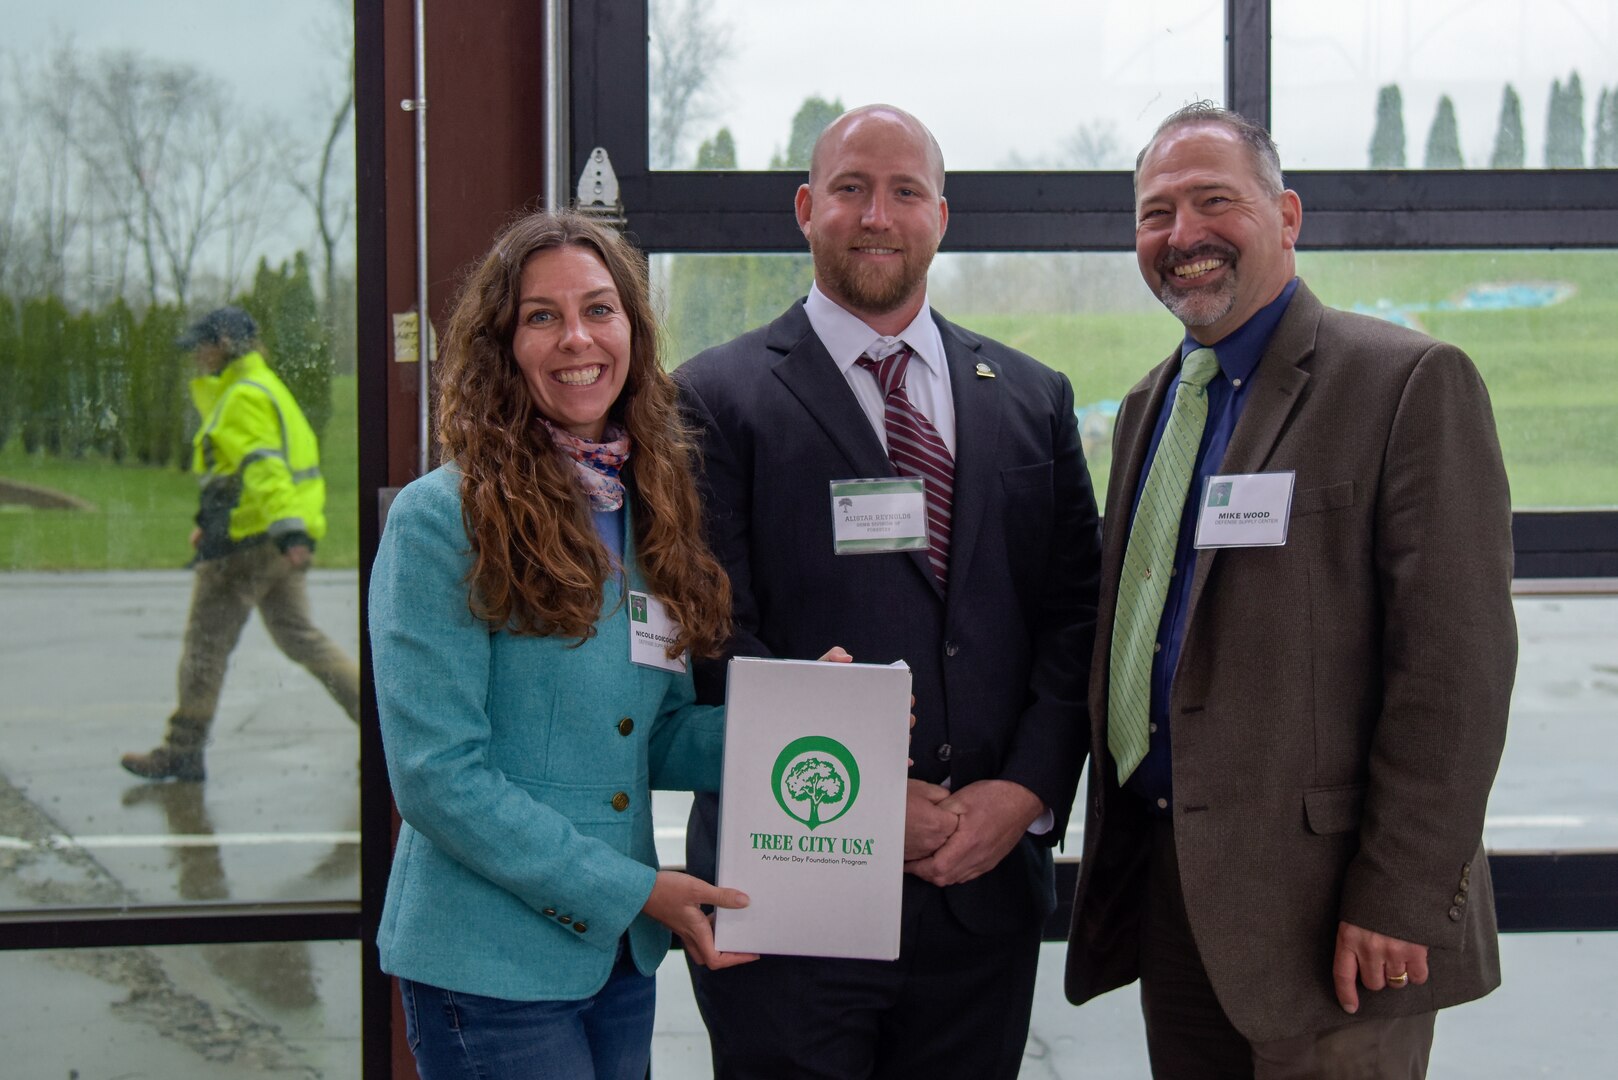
x=604 y=1037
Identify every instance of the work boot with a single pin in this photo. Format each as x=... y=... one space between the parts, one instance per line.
x=163 y=763
x=178 y=757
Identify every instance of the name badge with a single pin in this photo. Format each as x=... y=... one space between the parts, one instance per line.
x=871 y=516
x=651 y=632
x=1245 y=510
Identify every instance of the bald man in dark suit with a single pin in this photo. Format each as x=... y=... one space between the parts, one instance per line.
x=995 y=618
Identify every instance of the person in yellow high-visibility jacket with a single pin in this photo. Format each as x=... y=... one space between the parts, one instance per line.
x=261 y=512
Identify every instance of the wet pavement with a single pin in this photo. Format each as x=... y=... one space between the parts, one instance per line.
x=87 y=663
x=87 y=672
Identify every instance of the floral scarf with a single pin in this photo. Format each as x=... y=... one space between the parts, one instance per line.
x=597 y=464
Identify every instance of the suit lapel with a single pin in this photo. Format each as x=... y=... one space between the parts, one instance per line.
x=1278 y=385
x=977 y=434
x=810 y=374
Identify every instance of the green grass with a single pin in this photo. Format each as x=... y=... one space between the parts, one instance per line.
x=143 y=515
x=1552 y=374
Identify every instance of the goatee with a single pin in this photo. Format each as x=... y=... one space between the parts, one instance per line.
x=1198 y=305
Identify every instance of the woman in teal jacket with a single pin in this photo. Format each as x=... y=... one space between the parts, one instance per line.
x=524 y=731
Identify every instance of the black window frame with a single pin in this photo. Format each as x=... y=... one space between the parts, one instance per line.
x=357 y=919
x=993 y=211
x=1349 y=210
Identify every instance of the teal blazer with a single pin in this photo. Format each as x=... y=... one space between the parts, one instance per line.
x=523 y=769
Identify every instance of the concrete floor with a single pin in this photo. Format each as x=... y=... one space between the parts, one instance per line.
x=87 y=670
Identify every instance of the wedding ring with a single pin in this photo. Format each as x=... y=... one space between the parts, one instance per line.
x=1399 y=980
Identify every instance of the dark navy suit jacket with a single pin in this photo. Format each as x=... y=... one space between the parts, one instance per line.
x=999 y=663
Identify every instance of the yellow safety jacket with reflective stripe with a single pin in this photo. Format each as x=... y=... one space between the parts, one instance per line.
x=257 y=459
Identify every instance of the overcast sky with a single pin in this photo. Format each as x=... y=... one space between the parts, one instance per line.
x=1016 y=79
x=991 y=82
x=274 y=55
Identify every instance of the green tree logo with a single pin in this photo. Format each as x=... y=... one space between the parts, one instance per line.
x=815 y=772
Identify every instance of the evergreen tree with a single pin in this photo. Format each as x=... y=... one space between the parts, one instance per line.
x=718 y=152
x=808 y=122
x=1388 y=139
x=296 y=341
x=1444 y=139
x=1575 y=110
x=112 y=339
x=1564 y=125
x=1553 y=119
x=712 y=298
x=10 y=364
x=79 y=386
x=160 y=412
x=1605 y=155
x=1509 y=152
x=42 y=377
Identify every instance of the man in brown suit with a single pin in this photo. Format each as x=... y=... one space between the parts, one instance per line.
x=1292 y=742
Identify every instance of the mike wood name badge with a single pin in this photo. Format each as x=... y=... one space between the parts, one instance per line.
x=1245 y=510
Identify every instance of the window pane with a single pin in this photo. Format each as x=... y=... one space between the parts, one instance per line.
x=203 y=1012
x=1052 y=85
x=162 y=161
x=278 y=816
x=1543 y=799
x=1550 y=1017
x=1087 y=315
x=1537 y=323
x=1365 y=85
x=1546 y=797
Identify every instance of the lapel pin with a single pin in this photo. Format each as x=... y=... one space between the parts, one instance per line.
x=983 y=371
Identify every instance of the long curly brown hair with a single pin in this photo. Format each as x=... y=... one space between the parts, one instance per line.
x=539 y=567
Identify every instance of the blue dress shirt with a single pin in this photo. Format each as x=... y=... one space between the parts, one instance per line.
x=1239 y=353
x=610 y=527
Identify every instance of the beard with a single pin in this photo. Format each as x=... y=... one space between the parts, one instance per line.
x=1204 y=305
x=876 y=290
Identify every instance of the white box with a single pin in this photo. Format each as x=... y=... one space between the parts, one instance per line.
x=811 y=819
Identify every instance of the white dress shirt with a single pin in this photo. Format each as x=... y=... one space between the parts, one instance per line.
x=847 y=338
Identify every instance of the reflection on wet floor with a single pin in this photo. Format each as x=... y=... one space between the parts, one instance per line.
x=277 y=973
x=244 y=1009
x=278 y=819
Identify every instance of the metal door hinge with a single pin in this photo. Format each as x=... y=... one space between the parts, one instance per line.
x=598 y=191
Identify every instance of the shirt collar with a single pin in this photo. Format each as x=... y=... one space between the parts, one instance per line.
x=1240 y=350
x=847 y=338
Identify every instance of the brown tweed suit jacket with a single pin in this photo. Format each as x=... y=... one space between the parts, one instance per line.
x=1340 y=703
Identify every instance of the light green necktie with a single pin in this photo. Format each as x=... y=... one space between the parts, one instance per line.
x=1148 y=560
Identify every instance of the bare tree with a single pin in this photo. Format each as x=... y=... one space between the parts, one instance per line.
x=51 y=185
x=10 y=193
x=323 y=175
x=1094 y=145
x=688 y=49
x=177 y=168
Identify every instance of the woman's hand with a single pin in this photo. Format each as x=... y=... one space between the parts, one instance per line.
x=676 y=902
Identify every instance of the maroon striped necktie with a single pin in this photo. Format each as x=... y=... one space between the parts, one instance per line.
x=916 y=450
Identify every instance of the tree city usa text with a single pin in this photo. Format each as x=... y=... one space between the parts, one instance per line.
x=827 y=845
